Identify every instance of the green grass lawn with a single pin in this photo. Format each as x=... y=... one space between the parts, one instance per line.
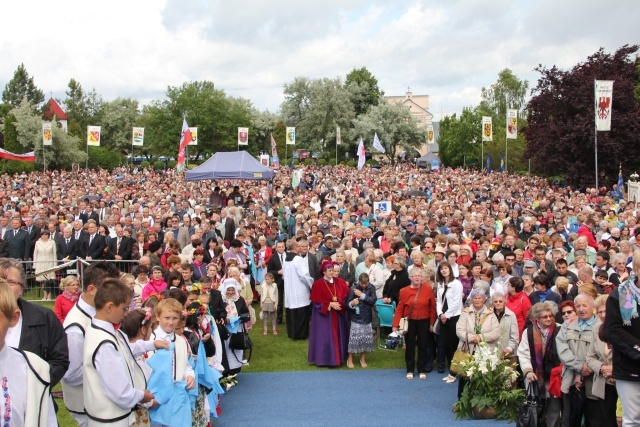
x=271 y=353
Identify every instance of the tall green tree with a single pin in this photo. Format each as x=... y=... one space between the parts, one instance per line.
x=460 y=139
x=395 y=126
x=120 y=115
x=507 y=92
x=316 y=108
x=76 y=108
x=22 y=86
x=363 y=90
x=261 y=129
x=280 y=135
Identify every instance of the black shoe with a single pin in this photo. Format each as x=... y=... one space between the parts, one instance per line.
x=441 y=370
x=429 y=369
x=279 y=322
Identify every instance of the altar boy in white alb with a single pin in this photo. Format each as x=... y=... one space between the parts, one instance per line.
x=24 y=377
x=111 y=388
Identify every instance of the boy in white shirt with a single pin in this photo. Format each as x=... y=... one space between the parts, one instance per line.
x=112 y=387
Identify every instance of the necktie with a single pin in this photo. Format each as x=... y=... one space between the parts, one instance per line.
x=118 y=245
x=30 y=230
x=67 y=240
x=281 y=260
x=90 y=240
x=15 y=233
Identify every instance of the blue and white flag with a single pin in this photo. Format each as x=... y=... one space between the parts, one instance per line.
x=376 y=143
x=488 y=163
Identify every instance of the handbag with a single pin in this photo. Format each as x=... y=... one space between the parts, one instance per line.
x=461 y=355
x=436 y=326
x=403 y=326
x=240 y=341
x=532 y=411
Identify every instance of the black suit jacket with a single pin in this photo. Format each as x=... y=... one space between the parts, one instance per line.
x=42 y=334
x=64 y=250
x=274 y=265
x=94 y=216
x=34 y=235
x=19 y=245
x=125 y=250
x=314 y=267
x=4 y=249
x=376 y=244
x=95 y=250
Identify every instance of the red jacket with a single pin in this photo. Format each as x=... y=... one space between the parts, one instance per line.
x=425 y=307
x=520 y=304
x=62 y=307
x=584 y=231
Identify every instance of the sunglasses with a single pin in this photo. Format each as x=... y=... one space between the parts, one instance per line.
x=546 y=316
x=566 y=312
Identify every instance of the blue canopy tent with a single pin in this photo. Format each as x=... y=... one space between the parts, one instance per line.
x=230 y=165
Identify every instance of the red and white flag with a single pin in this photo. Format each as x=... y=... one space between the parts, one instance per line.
x=604 y=101
x=26 y=157
x=362 y=155
x=185 y=139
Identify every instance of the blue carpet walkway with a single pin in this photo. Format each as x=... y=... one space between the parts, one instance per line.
x=326 y=397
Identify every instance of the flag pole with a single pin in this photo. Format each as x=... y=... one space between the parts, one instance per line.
x=506 y=140
x=44 y=161
x=87 y=162
x=596 y=133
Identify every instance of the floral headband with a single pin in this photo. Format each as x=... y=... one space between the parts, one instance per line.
x=200 y=310
x=196 y=287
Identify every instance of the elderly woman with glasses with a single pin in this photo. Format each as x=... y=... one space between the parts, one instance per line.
x=537 y=355
x=567 y=311
x=510 y=335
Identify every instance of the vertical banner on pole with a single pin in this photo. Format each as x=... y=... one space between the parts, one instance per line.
x=47 y=135
x=487 y=129
x=194 y=136
x=338 y=137
x=431 y=139
x=512 y=124
x=604 y=99
x=243 y=136
x=291 y=136
x=93 y=136
x=138 y=137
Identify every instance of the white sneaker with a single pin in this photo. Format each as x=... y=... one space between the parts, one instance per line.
x=451 y=380
x=245 y=362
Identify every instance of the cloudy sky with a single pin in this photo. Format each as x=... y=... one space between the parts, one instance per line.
x=448 y=49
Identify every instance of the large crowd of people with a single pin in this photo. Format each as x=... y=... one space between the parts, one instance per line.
x=542 y=274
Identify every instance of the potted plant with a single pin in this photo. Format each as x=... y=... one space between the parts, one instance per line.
x=489 y=390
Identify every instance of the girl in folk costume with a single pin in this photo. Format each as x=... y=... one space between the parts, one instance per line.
x=197 y=330
x=329 y=322
x=235 y=306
